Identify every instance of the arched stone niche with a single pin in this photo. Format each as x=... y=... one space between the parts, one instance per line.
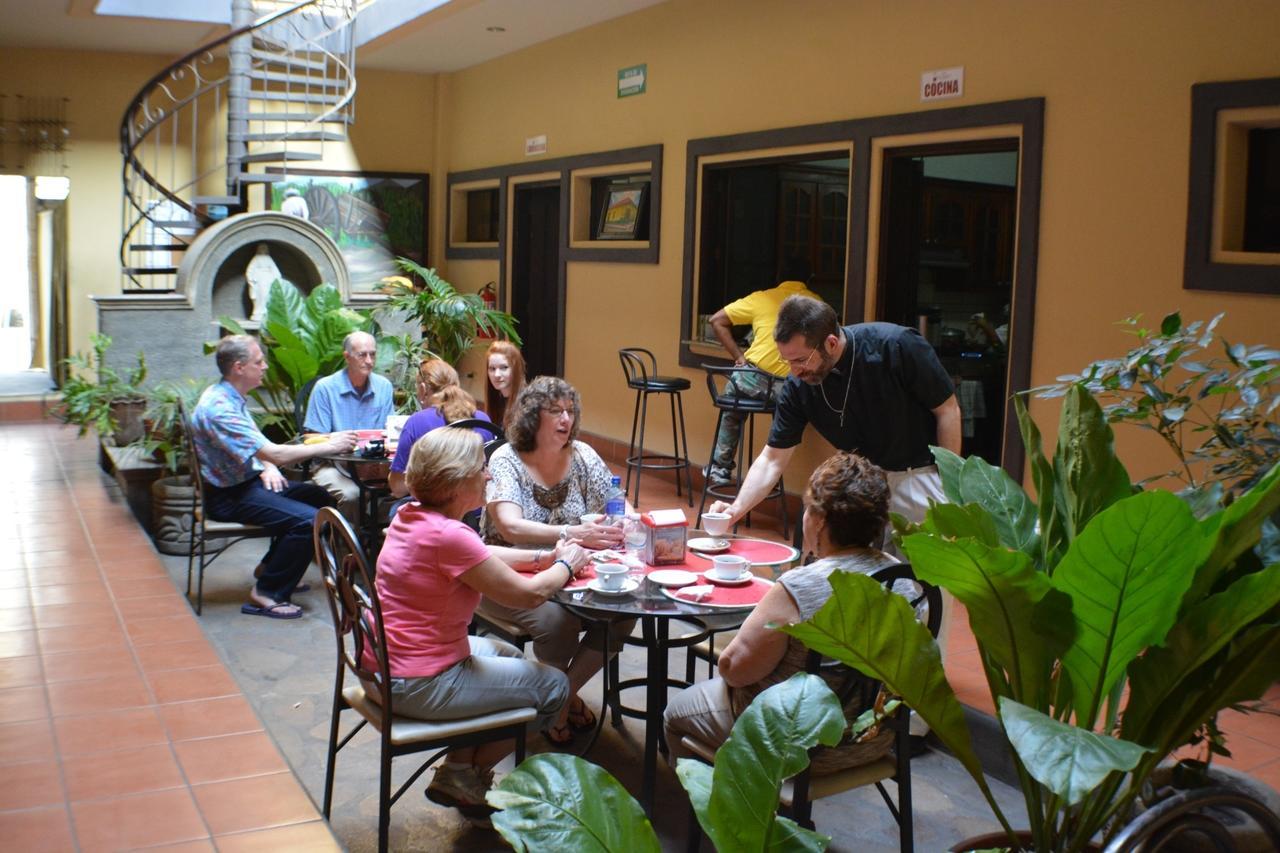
x=171 y=328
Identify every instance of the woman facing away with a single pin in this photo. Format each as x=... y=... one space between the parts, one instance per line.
x=505 y=367
x=432 y=572
x=443 y=401
x=543 y=480
x=846 y=505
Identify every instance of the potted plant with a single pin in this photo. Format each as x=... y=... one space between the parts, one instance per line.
x=450 y=321
x=101 y=398
x=1073 y=598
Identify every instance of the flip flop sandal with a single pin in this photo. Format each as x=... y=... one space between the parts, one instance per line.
x=273 y=611
x=581 y=718
x=559 y=735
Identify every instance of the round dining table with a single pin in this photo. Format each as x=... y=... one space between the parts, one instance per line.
x=656 y=606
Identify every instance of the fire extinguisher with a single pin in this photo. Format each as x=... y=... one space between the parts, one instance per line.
x=488 y=295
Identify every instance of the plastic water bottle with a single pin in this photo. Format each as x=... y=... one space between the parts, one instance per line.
x=615 y=508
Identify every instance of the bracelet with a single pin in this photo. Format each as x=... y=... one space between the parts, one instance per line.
x=564 y=532
x=537 y=559
x=562 y=561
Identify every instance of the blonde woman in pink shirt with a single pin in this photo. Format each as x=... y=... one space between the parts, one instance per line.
x=431 y=573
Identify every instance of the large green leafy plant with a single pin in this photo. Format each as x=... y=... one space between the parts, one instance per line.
x=450 y=321
x=562 y=802
x=302 y=339
x=1071 y=598
x=93 y=390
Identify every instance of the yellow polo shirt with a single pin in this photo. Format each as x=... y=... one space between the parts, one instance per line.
x=760 y=310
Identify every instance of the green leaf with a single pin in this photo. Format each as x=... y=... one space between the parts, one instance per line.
x=1126 y=574
x=555 y=801
x=1053 y=535
x=949 y=465
x=285 y=306
x=1016 y=615
x=875 y=631
x=1205 y=629
x=958 y=522
x=1235 y=530
x=1088 y=473
x=1066 y=759
x=695 y=776
x=1011 y=510
x=769 y=743
x=1171 y=324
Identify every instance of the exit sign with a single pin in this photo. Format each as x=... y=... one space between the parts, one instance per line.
x=631 y=81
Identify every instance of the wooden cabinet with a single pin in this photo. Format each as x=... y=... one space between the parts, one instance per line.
x=969 y=227
x=813 y=212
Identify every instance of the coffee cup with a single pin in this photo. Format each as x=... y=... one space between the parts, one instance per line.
x=591 y=517
x=728 y=567
x=611 y=575
x=716 y=523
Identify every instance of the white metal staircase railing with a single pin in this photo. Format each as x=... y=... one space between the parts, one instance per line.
x=204 y=130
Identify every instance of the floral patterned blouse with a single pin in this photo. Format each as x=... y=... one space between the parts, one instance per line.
x=584 y=489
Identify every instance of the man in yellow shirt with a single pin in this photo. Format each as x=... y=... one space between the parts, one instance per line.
x=760 y=311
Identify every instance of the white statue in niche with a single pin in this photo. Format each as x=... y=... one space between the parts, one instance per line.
x=261 y=273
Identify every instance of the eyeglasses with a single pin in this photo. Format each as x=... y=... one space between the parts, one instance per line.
x=557 y=411
x=366 y=355
x=801 y=364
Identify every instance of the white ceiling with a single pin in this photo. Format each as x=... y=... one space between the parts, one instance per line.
x=449 y=38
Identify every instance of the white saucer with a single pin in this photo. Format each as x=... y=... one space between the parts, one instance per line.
x=709 y=545
x=607 y=556
x=628 y=585
x=672 y=577
x=744 y=578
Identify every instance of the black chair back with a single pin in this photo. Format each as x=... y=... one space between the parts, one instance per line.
x=724 y=391
x=498 y=437
x=353 y=603
x=193 y=462
x=638 y=365
x=300 y=404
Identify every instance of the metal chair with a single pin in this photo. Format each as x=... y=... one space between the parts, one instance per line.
x=728 y=398
x=641 y=369
x=798 y=793
x=362 y=650
x=203 y=529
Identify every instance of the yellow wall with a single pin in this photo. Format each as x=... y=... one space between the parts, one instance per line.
x=1116 y=78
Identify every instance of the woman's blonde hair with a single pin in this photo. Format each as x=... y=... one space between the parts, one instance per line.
x=440 y=382
x=440 y=462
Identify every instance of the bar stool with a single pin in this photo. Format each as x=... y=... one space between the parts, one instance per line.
x=641 y=370
x=727 y=398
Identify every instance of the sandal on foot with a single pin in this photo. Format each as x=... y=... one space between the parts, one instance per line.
x=581 y=717
x=277 y=610
x=561 y=735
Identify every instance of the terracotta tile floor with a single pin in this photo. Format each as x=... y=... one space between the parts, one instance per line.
x=120 y=728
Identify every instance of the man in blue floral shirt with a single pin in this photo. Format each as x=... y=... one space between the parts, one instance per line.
x=244 y=484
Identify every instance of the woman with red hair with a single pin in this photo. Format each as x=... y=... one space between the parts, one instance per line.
x=505 y=367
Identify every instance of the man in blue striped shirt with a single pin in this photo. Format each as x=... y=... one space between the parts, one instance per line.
x=353 y=398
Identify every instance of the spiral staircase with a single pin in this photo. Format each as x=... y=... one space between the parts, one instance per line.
x=233 y=114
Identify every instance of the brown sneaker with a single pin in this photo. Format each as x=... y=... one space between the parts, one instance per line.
x=462 y=789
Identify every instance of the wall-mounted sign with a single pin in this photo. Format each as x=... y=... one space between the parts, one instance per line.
x=631 y=80
x=942 y=83
x=535 y=145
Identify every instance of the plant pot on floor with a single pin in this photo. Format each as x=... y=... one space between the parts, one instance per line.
x=127 y=415
x=171 y=514
x=1000 y=841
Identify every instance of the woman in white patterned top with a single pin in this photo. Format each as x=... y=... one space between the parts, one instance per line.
x=542 y=481
x=846 y=505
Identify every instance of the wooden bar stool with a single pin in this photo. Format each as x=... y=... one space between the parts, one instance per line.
x=727 y=397
x=641 y=370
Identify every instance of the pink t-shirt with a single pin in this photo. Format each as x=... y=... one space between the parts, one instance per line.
x=425 y=608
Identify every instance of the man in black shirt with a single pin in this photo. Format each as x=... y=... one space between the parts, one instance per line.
x=874 y=388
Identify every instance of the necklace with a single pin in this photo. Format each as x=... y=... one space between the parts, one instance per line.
x=847 y=385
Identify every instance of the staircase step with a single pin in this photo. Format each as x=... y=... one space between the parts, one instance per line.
x=295 y=136
x=217 y=199
x=296 y=97
x=158 y=247
x=175 y=223
x=260 y=178
x=300 y=79
x=279 y=156
x=293 y=60
x=150 y=270
x=307 y=118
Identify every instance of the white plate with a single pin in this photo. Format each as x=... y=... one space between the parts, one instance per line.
x=741 y=579
x=672 y=577
x=709 y=545
x=607 y=556
x=674 y=596
x=628 y=585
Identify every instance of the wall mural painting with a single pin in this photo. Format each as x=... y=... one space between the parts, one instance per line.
x=372 y=216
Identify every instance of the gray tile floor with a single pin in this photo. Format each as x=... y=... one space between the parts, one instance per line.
x=286 y=669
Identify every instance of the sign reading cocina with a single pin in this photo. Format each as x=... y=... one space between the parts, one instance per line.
x=942 y=83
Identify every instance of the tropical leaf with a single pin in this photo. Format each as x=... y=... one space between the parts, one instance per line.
x=285 y=306
x=1204 y=630
x=1235 y=530
x=949 y=465
x=1011 y=510
x=769 y=743
x=1016 y=615
x=1126 y=574
x=958 y=522
x=1066 y=759
x=1053 y=534
x=1088 y=473
x=556 y=801
x=875 y=631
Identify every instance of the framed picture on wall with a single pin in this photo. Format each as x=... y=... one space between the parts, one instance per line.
x=374 y=217
x=620 y=214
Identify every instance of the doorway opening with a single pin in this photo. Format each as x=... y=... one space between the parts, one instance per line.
x=535 y=276
x=758 y=214
x=29 y=248
x=948 y=222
